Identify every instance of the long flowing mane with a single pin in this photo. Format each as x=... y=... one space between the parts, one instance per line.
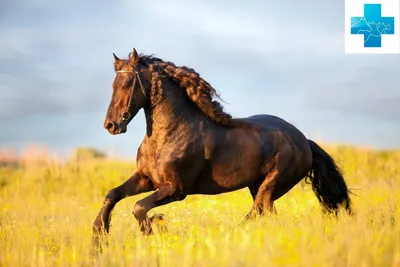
x=199 y=91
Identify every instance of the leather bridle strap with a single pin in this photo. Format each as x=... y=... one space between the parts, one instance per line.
x=127 y=115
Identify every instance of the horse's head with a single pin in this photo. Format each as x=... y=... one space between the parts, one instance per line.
x=129 y=93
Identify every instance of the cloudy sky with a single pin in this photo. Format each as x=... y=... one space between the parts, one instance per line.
x=278 y=57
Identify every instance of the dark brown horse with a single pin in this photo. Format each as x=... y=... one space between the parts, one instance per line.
x=193 y=147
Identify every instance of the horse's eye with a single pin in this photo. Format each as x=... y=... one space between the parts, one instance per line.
x=127 y=84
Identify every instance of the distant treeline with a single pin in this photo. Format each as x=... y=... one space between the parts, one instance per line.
x=34 y=155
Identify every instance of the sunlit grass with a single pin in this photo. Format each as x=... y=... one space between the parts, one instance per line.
x=46 y=213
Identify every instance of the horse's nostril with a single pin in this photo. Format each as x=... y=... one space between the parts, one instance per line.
x=109 y=125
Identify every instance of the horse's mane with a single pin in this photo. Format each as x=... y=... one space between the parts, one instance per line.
x=199 y=91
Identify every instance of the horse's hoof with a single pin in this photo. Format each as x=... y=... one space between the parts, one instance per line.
x=97 y=246
x=157 y=217
x=157 y=220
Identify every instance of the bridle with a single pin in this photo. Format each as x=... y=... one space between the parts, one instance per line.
x=127 y=115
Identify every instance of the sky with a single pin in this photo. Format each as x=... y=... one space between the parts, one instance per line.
x=284 y=58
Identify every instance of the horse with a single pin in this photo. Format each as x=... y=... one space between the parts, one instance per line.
x=192 y=146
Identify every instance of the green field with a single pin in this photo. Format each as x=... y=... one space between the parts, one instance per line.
x=47 y=210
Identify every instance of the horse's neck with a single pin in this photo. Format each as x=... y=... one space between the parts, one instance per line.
x=175 y=113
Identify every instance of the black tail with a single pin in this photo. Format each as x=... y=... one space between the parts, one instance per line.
x=327 y=181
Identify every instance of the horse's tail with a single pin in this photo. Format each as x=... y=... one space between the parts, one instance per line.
x=327 y=181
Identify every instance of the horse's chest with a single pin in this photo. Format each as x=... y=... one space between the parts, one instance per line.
x=159 y=164
x=169 y=163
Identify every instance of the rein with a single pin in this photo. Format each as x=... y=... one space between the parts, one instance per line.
x=127 y=115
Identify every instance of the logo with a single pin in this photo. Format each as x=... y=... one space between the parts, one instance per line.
x=372 y=27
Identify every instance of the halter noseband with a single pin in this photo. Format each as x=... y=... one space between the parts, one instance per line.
x=127 y=115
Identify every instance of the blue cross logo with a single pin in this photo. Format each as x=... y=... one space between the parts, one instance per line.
x=372 y=25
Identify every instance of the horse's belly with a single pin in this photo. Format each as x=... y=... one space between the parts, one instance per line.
x=227 y=179
x=214 y=187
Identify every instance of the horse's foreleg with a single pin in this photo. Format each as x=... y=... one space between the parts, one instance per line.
x=136 y=184
x=164 y=195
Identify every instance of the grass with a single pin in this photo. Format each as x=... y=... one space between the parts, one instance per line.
x=46 y=213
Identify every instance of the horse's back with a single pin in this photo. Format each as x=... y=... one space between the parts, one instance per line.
x=293 y=135
x=274 y=123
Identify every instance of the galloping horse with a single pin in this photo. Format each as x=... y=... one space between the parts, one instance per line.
x=192 y=146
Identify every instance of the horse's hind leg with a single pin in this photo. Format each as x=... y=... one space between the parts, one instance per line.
x=262 y=196
x=254 y=189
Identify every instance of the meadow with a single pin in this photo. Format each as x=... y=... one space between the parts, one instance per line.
x=47 y=210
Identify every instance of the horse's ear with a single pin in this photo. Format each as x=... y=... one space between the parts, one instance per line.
x=115 y=57
x=134 y=59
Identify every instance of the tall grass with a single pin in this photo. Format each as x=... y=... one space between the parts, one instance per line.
x=46 y=213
